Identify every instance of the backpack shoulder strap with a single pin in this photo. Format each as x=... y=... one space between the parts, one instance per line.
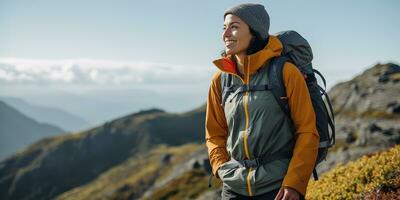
x=226 y=86
x=275 y=80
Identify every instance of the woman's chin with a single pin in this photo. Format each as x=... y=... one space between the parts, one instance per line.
x=229 y=52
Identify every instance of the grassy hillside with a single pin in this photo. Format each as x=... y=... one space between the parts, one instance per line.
x=131 y=179
x=370 y=177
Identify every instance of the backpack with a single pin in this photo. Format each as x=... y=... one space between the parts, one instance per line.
x=297 y=51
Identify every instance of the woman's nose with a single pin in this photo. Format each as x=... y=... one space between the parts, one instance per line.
x=226 y=33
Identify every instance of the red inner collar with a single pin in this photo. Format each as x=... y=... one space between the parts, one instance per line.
x=229 y=65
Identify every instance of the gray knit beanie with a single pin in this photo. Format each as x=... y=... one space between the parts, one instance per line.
x=254 y=15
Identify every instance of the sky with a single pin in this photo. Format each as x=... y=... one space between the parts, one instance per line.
x=131 y=55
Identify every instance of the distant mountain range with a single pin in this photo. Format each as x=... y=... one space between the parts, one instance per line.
x=57 y=164
x=157 y=155
x=17 y=131
x=58 y=117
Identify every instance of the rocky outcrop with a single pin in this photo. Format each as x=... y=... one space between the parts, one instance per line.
x=213 y=194
x=366 y=95
x=367 y=114
x=197 y=160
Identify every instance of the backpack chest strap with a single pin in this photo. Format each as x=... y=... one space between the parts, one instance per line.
x=244 y=88
x=252 y=88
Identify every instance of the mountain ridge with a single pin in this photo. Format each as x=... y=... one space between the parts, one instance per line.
x=64 y=119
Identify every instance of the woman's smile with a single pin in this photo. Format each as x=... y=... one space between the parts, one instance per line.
x=230 y=43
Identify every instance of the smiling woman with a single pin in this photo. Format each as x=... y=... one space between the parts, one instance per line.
x=257 y=150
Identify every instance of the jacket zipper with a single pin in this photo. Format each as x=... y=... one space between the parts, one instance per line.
x=245 y=102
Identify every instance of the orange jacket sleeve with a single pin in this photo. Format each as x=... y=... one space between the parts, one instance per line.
x=216 y=126
x=307 y=138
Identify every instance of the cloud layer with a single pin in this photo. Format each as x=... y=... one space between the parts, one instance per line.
x=86 y=72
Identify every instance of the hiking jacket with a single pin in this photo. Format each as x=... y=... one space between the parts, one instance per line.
x=252 y=124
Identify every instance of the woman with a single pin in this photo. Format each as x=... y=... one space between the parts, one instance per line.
x=250 y=125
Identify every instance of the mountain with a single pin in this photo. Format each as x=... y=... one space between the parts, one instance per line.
x=156 y=155
x=17 y=130
x=55 y=165
x=56 y=116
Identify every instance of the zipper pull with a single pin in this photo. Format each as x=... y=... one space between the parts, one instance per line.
x=210 y=179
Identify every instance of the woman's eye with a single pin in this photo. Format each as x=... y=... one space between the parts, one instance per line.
x=232 y=27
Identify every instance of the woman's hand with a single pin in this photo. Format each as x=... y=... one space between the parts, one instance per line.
x=286 y=193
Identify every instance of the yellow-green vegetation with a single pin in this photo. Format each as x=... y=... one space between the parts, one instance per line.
x=358 y=178
x=137 y=120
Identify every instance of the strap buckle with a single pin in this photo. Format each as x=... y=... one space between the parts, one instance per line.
x=251 y=163
x=248 y=88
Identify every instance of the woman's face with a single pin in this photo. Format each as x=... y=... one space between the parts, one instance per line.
x=236 y=35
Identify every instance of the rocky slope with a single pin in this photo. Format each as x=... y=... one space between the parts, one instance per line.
x=367 y=110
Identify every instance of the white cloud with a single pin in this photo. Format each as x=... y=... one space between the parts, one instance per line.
x=99 y=73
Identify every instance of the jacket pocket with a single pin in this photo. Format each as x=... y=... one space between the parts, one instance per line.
x=233 y=176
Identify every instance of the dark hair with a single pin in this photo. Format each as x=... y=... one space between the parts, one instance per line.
x=257 y=43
